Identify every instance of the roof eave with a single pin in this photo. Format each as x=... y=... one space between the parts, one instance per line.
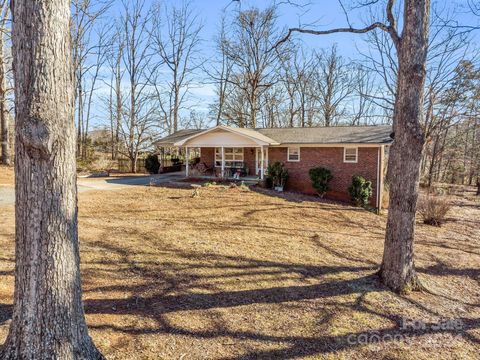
x=332 y=144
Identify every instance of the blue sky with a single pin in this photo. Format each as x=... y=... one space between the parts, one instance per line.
x=320 y=14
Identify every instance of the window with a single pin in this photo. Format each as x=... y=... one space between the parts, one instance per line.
x=293 y=154
x=350 y=154
x=233 y=157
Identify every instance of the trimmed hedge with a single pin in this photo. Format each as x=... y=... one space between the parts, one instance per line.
x=152 y=164
x=360 y=191
x=320 y=178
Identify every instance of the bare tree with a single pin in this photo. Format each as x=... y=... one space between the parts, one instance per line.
x=196 y=120
x=251 y=48
x=447 y=46
x=397 y=270
x=364 y=110
x=271 y=107
x=289 y=78
x=335 y=85
x=235 y=108
x=86 y=14
x=48 y=319
x=115 y=99
x=305 y=73
x=4 y=114
x=92 y=74
x=139 y=120
x=220 y=73
x=176 y=39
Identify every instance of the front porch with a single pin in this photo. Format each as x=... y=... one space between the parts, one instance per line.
x=224 y=153
x=226 y=162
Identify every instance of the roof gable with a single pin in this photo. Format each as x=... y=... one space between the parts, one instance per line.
x=224 y=135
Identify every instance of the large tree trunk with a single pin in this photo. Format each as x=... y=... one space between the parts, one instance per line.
x=397 y=270
x=48 y=319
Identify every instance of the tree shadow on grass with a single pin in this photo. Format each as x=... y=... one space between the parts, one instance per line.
x=5 y=312
x=441 y=269
x=181 y=294
x=161 y=304
x=296 y=346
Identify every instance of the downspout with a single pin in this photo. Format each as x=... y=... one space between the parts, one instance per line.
x=379 y=178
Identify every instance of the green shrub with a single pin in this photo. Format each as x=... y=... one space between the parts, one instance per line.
x=278 y=173
x=360 y=190
x=152 y=165
x=320 y=178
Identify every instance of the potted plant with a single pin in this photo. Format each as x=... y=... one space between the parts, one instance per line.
x=278 y=174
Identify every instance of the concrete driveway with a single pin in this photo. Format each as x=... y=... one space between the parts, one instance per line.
x=114 y=183
x=7 y=194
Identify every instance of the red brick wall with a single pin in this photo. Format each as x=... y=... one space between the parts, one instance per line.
x=249 y=159
x=332 y=159
x=207 y=155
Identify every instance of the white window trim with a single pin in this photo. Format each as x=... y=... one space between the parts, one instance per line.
x=220 y=160
x=288 y=153
x=345 y=155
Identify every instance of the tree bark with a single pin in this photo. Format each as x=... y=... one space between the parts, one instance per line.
x=397 y=270
x=48 y=318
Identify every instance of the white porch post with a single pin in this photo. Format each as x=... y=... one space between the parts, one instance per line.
x=262 y=169
x=187 y=161
x=266 y=157
x=223 y=162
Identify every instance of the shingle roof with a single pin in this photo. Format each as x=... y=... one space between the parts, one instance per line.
x=177 y=136
x=379 y=134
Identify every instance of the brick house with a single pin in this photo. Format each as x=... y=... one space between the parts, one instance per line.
x=345 y=150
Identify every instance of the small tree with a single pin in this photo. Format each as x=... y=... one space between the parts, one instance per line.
x=433 y=209
x=360 y=190
x=278 y=173
x=152 y=165
x=320 y=178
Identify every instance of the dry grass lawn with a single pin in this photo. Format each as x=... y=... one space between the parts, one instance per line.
x=6 y=175
x=245 y=275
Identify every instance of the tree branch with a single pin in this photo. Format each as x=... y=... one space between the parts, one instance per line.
x=390 y=29
x=376 y=25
